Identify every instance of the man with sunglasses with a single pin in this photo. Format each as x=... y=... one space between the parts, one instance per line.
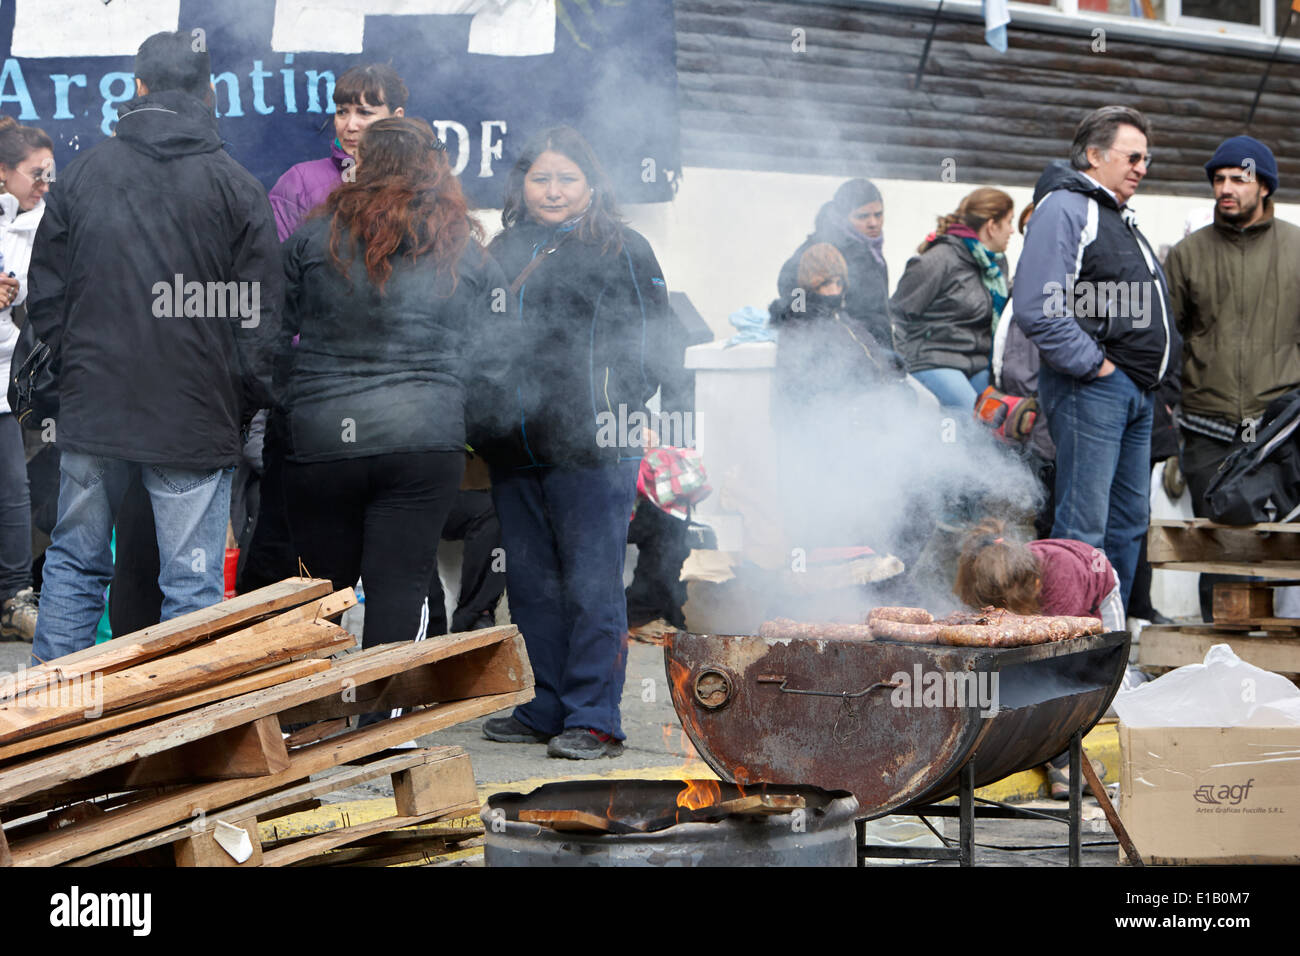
x=1090 y=294
x=1235 y=288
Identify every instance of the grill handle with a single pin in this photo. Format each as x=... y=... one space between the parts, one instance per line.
x=843 y=694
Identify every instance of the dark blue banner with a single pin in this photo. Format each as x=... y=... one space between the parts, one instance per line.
x=486 y=73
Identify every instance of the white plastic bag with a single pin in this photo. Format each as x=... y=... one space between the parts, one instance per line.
x=1224 y=691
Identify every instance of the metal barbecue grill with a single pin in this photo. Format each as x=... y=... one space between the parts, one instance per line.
x=854 y=715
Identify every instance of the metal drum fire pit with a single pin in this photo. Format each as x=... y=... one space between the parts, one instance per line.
x=895 y=724
x=603 y=822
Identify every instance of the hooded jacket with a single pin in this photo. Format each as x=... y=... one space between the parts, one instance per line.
x=1236 y=298
x=17 y=235
x=866 y=299
x=380 y=374
x=154 y=248
x=304 y=187
x=1088 y=286
x=590 y=342
x=943 y=314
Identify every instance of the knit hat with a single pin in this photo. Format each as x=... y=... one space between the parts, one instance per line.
x=1235 y=152
x=819 y=264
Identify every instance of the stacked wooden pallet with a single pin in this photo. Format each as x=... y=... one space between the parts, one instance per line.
x=1243 y=615
x=156 y=746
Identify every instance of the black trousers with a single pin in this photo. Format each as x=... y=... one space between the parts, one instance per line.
x=271 y=555
x=482 y=575
x=1201 y=458
x=378 y=518
x=655 y=591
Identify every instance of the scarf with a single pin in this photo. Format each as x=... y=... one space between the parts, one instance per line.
x=990 y=272
x=853 y=237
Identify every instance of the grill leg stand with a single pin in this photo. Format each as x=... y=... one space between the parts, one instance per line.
x=1076 y=796
x=966 y=803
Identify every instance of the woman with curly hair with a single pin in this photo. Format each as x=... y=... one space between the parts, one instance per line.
x=389 y=290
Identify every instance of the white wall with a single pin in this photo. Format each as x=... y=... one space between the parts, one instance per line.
x=724 y=238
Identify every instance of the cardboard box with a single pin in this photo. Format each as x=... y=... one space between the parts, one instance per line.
x=1211 y=794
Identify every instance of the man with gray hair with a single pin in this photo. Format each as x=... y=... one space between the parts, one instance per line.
x=1090 y=294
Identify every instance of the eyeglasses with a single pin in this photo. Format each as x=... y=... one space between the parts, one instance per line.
x=1135 y=158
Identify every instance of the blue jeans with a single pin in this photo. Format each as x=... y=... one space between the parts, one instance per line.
x=951 y=386
x=1102 y=431
x=15 y=511
x=191 y=510
x=565 y=536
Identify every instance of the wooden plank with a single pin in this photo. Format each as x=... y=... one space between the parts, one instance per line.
x=55 y=848
x=1181 y=541
x=202 y=848
x=276 y=804
x=186 y=629
x=434 y=785
x=574 y=821
x=1205 y=524
x=255 y=750
x=5 y=858
x=182 y=672
x=136 y=715
x=1168 y=646
x=1280 y=570
x=494 y=669
x=312 y=846
x=361 y=667
x=1242 y=601
x=315 y=732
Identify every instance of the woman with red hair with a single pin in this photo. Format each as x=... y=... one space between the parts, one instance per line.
x=389 y=290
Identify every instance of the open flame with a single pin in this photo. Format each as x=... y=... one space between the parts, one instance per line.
x=699 y=793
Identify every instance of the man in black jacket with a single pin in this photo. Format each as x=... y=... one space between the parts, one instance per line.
x=1092 y=298
x=156 y=281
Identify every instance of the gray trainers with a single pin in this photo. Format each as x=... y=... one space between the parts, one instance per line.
x=18 y=616
x=581 y=744
x=507 y=730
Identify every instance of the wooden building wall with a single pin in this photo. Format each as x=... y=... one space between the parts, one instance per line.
x=846 y=105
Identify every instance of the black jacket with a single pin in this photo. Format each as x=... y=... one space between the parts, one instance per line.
x=158 y=201
x=943 y=314
x=1089 y=287
x=867 y=297
x=821 y=353
x=591 y=342
x=376 y=374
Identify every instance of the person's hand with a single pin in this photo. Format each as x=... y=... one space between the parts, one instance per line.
x=8 y=291
x=1107 y=366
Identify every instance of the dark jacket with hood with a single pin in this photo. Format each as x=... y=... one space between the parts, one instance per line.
x=158 y=204
x=1089 y=287
x=867 y=297
x=588 y=347
x=943 y=314
x=820 y=351
x=373 y=373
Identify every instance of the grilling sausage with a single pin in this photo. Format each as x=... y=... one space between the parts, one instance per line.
x=782 y=628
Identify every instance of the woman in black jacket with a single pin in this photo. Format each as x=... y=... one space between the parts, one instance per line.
x=854 y=223
x=389 y=289
x=951 y=296
x=592 y=314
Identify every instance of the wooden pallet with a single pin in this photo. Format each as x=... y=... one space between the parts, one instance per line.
x=1248 y=605
x=1176 y=646
x=193 y=722
x=1197 y=544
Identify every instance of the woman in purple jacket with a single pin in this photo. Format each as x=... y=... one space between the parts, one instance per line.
x=362 y=95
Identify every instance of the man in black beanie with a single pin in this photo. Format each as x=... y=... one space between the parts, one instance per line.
x=1235 y=289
